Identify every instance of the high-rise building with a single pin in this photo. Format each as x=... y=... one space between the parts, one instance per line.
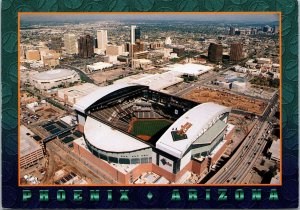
x=267 y=28
x=127 y=47
x=215 y=52
x=168 y=41
x=253 y=31
x=138 y=47
x=96 y=43
x=231 y=31
x=70 y=43
x=237 y=32
x=179 y=50
x=276 y=30
x=135 y=34
x=114 y=50
x=102 y=39
x=236 y=52
x=86 y=46
x=56 y=44
x=156 y=45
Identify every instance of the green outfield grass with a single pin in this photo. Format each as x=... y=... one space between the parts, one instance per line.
x=149 y=127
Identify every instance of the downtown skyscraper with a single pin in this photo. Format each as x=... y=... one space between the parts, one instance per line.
x=102 y=39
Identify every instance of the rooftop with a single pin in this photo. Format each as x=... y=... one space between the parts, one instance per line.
x=79 y=91
x=200 y=118
x=189 y=68
x=275 y=149
x=108 y=139
x=160 y=81
x=53 y=74
x=99 y=66
x=28 y=144
x=97 y=94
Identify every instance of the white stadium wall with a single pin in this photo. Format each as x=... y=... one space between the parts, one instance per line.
x=185 y=160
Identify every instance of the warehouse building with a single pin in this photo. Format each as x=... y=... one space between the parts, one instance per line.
x=99 y=66
x=72 y=94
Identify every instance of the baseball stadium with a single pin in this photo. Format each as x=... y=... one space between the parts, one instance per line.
x=133 y=127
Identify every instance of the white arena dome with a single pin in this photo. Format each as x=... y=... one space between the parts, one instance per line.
x=54 y=74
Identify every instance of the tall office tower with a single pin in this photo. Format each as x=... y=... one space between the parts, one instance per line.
x=231 y=31
x=102 y=39
x=236 y=52
x=96 y=43
x=179 y=50
x=267 y=28
x=253 y=31
x=276 y=30
x=237 y=32
x=86 y=46
x=215 y=52
x=135 y=34
x=56 y=44
x=132 y=34
x=127 y=46
x=70 y=43
x=168 y=41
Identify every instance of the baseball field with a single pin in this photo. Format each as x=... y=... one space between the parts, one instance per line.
x=145 y=129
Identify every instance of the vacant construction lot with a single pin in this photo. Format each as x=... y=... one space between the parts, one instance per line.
x=235 y=101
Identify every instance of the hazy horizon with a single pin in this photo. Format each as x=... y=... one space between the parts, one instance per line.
x=253 y=18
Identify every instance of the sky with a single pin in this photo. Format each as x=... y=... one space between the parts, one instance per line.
x=139 y=17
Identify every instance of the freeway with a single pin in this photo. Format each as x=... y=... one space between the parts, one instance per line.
x=243 y=160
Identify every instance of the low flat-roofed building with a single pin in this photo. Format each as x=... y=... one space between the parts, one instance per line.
x=99 y=66
x=112 y=59
x=264 y=61
x=154 y=81
x=275 y=150
x=72 y=94
x=142 y=54
x=141 y=63
x=160 y=81
x=30 y=150
x=36 y=64
x=50 y=60
x=189 y=68
x=33 y=55
x=69 y=119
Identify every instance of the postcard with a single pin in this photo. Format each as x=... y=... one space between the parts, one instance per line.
x=149 y=104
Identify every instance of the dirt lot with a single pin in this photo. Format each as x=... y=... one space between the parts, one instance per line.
x=102 y=76
x=203 y=95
